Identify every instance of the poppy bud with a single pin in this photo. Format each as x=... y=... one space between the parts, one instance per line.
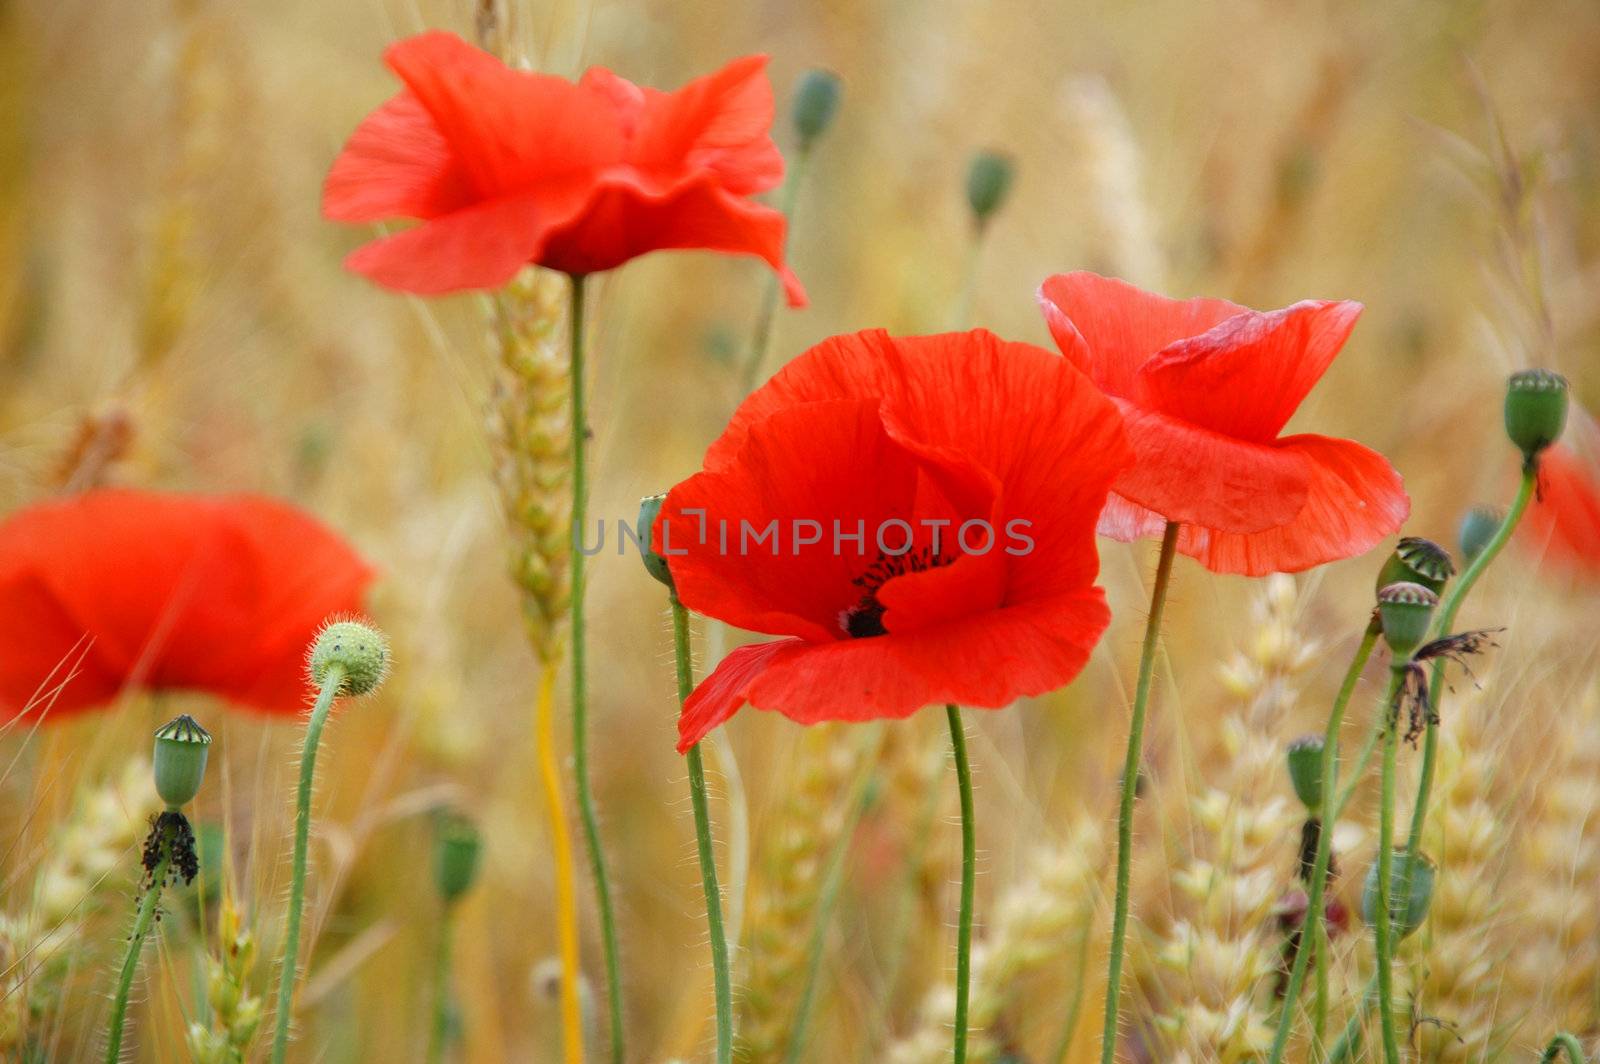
x=457 y=847
x=815 y=104
x=1536 y=410
x=654 y=563
x=1305 y=770
x=988 y=181
x=1419 y=561
x=1478 y=526
x=357 y=649
x=180 y=760
x=1405 y=913
x=1406 y=610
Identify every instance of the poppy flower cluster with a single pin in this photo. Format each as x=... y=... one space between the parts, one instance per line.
x=134 y=589
x=507 y=167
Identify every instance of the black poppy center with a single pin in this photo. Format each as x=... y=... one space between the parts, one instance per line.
x=865 y=619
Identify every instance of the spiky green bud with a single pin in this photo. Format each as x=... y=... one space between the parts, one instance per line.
x=988 y=183
x=1406 y=913
x=1419 y=561
x=359 y=651
x=1406 y=610
x=457 y=848
x=180 y=760
x=654 y=563
x=1305 y=770
x=1478 y=526
x=816 y=102
x=1536 y=410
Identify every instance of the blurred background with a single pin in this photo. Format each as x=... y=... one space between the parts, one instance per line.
x=173 y=314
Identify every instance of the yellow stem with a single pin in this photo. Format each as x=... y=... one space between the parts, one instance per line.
x=566 y=879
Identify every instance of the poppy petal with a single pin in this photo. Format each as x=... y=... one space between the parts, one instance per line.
x=1354 y=499
x=396 y=165
x=1193 y=475
x=1246 y=376
x=986 y=661
x=720 y=122
x=1564 y=519
x=629 y=217
x=1109 y=328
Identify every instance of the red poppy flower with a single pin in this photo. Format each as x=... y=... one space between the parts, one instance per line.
x=162 y=591
x=1205 y=387
x=915 y=515
x=1564 y=520
x=507 y=167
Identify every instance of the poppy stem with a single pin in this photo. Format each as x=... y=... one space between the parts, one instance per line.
x=148 y=904
x=969 y=868
x=761 y=337
x=721 y=982
x=1383 y=919
x=331 y=682
x=1314 y=932
x=441 y=976
x=561 y=853
x=1562 y=1043
x=1130 y=787
x=580 y=676
x=1443 y=627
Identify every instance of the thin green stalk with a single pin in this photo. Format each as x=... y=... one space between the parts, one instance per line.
x=1075 y=1008
x=1382 y=922
x=968 y=298
x=969 y=868
x=723 y=985
x=1563 y=1043
x=1350 y=1039
x=580 y=676
x=130 y=961
x=1444 y=625
x=331 y=682
x=1311 y=934
x=833 y=880
x=441 y=976
x=761 y=338
x=1130 y=786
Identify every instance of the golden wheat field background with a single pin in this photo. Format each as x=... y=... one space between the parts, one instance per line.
x=173 y=314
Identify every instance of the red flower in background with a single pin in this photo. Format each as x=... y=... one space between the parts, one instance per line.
x=1205 y=387
x=162 y=591
x=507 y=167
x=908 y=439
x=1564 y=520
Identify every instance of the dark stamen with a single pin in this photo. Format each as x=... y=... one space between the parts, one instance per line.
x=865 y=619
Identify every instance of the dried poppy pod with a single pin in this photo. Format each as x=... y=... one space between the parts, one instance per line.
x=1406 y=610
x=1418 y=561
x=1536 y=410
x=180 y=760
x=1478 y=526
x=1407 y=910
x=1304 y=757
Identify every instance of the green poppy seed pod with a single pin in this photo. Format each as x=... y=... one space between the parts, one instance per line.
x=988 y=181
x=1406 y=610
x=1305 y=770
x=180 y=760
x=457 y=849
x=1478 y=526
x=654 y=563
x=815 y=103
x=1536 y=410
x=1420 y=561
x=360 y=652
x=1405 y=913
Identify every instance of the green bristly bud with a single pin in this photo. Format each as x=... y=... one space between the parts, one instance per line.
x=360 y=652
x=815 y=104
x=1406 y=610
x=457 y=849
x=1536 y=410
x=1419 y=561
x=1478 y=527
x=180 y=760
x=654 y=563
x=1405 y=913
x=988 y=182
x=1305 y=770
